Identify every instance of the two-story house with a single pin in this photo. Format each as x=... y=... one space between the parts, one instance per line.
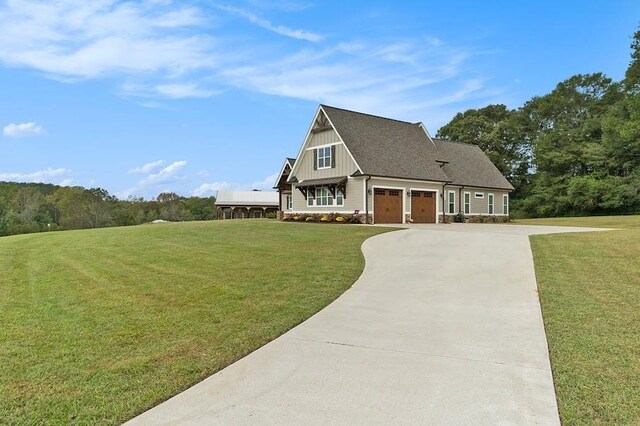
x=390 y=171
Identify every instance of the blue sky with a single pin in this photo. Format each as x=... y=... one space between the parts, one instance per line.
x=196 y=96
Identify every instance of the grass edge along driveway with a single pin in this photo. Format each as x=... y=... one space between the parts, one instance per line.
x=100 y=325
x=589 y=287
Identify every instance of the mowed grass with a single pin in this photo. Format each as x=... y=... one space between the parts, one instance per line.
x=97 y=326
x=590 y=292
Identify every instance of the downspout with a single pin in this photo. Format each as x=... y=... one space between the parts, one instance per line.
x=460 y=199
x=280 y=213
x=366 y=198
x=444 y=217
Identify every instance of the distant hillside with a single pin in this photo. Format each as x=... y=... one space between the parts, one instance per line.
x=36 y=207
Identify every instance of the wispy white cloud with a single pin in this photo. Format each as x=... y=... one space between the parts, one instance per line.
x=181 y=50
x=18 y=130
x=169 y=90
x=167 y=174
x=211 y=188
x=278 y=29
x=178 y=91
x=76 y=39
x=46 y=176
x=148 y=167
x=154 y=178
x=397 y=79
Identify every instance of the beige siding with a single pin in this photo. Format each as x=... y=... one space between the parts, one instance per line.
x=480 y=206
x=344 y=165
x=353 y=200
x=283 y=200
x=355 y=197
x=323 y=138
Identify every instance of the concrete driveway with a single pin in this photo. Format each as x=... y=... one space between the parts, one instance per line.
x=443 y=327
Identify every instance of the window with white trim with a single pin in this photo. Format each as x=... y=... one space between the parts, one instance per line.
x=479 y=194
x=505 y=204
x=490 y=203
x=325 y=198
x=289 y=202
x=324 y=157
x=467 y=203
x=452 y=202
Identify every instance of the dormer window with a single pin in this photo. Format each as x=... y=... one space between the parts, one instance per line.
x=324 y=157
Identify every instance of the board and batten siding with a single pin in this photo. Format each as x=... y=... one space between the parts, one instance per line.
x=323 y=138
x=345 y=166
x=354 y=199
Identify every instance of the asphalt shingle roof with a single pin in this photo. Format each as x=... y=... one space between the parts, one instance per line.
x=393 y=148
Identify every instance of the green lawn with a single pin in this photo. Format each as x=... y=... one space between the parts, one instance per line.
x=97 y=326
x=590 y=292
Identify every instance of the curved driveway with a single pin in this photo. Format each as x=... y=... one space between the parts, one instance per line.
x=443 y=327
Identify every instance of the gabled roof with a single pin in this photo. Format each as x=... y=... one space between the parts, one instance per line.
x=247 y=198
x=400 y=149
x=468 y=165
x=284 y=172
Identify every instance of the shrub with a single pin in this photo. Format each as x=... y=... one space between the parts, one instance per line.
x=459 y=217
x=355 y=218
x=322 y=217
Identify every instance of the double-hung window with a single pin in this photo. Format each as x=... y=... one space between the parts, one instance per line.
x=323 y=197
x=289 y=202
x=505 y=204
x=467 y=203
x=452 y=202
x=324 y=157
x=490 y=199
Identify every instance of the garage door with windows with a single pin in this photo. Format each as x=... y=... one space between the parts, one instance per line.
x=423 y=206
x=387 y=205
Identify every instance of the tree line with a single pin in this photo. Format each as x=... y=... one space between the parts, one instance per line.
x=574 y=151
x=36 y=207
